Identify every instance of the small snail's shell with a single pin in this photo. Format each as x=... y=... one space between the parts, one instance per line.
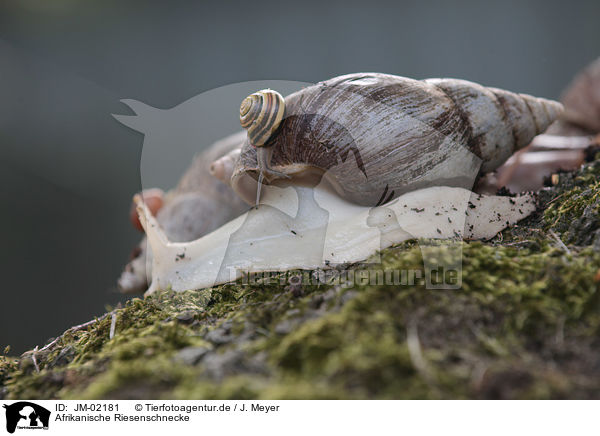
x=260 y=114
x=370 y=132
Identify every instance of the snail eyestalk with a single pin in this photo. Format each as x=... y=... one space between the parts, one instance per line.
x=263 y=158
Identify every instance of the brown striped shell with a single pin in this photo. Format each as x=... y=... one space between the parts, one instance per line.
x=260 y=114
x=372 y=134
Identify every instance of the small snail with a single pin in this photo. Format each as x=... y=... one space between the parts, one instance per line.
x=369 y=133
x=261 y=114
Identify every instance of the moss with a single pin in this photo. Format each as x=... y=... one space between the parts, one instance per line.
x=575 y=212
x=524 y=324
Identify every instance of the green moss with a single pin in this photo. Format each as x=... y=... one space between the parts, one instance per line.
x=516 y=328
x=574 y=213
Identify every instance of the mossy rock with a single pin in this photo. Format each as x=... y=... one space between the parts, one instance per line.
x=524 y=324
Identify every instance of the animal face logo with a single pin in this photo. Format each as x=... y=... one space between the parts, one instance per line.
x=26 y=415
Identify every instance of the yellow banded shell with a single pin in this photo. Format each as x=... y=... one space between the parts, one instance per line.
x=260 y=114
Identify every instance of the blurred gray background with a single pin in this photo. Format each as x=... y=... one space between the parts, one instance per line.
x=68 y=169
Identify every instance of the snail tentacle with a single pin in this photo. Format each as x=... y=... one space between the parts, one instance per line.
x=263 y=157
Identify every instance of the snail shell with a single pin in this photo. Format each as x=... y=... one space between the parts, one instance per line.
x=582 y=104
x=260 y=114
x=369 y=133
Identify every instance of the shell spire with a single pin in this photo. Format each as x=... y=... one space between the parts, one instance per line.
x=543 y=111
x=501 y=121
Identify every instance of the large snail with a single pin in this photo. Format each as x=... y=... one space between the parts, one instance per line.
x=332 y=151
x=370 y=133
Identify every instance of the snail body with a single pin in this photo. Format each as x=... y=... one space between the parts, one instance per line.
x=198 y=205
x=369 y=133
x=313 y=228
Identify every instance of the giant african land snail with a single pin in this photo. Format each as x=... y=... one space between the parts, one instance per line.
x=343 y=146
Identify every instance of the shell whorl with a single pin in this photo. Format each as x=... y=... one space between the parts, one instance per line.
x=261 y=114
